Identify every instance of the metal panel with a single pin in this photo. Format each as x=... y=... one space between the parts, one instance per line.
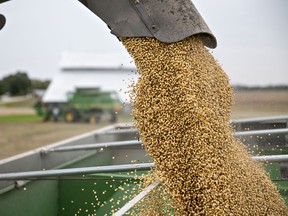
x=136 y=199
x=261 y=123
x=166 y=20
x=36 y=160
x=112 y=168
x=39 y=198
x=75 y=171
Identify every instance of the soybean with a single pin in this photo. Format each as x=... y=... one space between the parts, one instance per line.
x=182 y=106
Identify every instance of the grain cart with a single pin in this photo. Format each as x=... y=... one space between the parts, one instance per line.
x=80 y=175
x=92 y=105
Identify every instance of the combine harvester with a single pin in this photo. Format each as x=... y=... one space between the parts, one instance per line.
x=92 y=105
x=85 y=105
x=79 y=176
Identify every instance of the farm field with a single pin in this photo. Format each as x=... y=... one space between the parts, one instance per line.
x=258 y=103
x=21 y=130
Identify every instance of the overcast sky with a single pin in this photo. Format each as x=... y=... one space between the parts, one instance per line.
x=252 y=37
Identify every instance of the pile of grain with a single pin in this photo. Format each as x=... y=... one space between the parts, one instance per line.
x=182 y=104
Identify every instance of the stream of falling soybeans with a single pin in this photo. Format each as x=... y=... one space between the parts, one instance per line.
x=182 y=105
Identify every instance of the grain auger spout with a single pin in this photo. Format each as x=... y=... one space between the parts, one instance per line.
x=167 y=20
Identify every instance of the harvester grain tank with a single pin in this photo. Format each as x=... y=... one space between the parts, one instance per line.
x=92 y=105
x=83 y=105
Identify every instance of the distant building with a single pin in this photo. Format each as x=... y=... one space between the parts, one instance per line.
x=38 y=93
x=107 y=71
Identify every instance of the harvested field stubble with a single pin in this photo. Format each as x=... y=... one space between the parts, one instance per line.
x=182 y=106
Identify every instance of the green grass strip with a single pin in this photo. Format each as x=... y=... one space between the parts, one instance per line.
x=20 y=118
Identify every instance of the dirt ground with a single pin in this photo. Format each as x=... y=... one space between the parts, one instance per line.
x=19 y=137
x=24 y=136
x=16 y=111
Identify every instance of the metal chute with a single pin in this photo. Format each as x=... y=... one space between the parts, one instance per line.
x=167 y=20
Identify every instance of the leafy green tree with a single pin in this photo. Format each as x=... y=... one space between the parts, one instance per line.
x=39 y=84
x=16 y=84
x=2 y=91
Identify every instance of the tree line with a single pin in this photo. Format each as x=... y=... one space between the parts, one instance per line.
x=20 y=84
